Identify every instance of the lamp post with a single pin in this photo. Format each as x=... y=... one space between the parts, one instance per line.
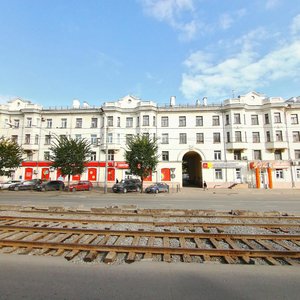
x=106 y=150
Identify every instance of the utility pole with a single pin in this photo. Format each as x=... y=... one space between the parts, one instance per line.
x=106 y=160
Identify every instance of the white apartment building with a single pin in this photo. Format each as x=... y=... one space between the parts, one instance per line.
x=252 y=140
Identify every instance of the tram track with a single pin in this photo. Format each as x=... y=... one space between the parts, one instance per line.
x=166 y=241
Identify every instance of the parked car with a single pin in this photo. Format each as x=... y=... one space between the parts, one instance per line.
x=25 y=185
x=80 y=186
x=158 y=187
x=53 y=185
x=127 y=185
x=7 y=184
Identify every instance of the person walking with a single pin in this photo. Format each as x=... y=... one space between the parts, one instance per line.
x=204 y=186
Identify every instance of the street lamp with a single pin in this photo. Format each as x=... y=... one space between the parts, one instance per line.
x=106 y=150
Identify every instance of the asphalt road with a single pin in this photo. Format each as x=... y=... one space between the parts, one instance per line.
x=188 y=198
x=35 y=278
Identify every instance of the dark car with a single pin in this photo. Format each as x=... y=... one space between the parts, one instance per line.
x=158 y=187
x=127 y=185
x=25 y=185
x=53 y=185
x=80 y=186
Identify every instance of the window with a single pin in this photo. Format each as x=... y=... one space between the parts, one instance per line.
x=217 y=155
x=46 y=155
x=36 y=139
x=78 y=123
x=77 y=137
x=254 y=119
x=49 y=123
x=110 y=121
x=257 y=154
x=267 y=121
x=29 y=122
x=93 y=156
x=296 y=136
x=217 y=137
x=14 y=138
x=182 y=138
x=154 y=121
x=268 y=136
x=165 y=155
x=109 y=138
x=278 y=154
x=237 y=118
x=27 y=138
x=215 y=120
x=94 y=139
x=164 y=121
x=111 y=155
x=238 y=174
x=118 y=122
x=298 y=173
x=182 y=121
x=297 y=154
x=16 y=123
x=94 y=123
x=237 y=155
x=200 y=138
x=277 y=117
x=255 y=137
x=199 y=121
x=47 y=139
x=228 y=137
x=165 y=138
x=218 y=173
x=128 y=138
x=146 y=120
x=238 y=136
x=138 y=122
x=278 y=134
x=29 y=156
x=294 y=119
x=227 y=120
x=146 y=135
x=279 y=173
x=63 y=123
x=129 y=122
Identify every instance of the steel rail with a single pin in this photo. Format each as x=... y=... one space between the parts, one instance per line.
x=148 y=249
x=159 y=213
x=153 y=223
x=143 y=233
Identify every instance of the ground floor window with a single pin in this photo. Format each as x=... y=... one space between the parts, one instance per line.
x=298 y=173
x=218 y=174
x=279 y=173
x=238 y=174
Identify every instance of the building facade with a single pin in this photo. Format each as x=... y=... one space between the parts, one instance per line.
x=252 y=140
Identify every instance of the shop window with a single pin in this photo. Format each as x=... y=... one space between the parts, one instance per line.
x=218 y=174
x=279 y=173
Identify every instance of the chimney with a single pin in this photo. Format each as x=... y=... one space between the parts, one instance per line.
x=204 y=101
x=76 y=103
x=172 y=101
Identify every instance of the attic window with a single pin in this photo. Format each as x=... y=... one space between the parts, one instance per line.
x=253 y=97
x=129 y=100
x=18 y=103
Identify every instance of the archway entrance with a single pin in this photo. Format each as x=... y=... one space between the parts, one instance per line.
x=192 y=169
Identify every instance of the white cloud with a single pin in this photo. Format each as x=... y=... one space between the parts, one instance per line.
x=226 y=20
x=295 y=26
x=243 y=71
x=270 y=4
x=176 y=13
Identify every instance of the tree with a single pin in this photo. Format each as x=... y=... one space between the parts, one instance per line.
x=10 y=156
x=70 y=155
x=141 y=156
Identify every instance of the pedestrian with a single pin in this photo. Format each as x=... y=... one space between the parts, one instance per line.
x=117 y=181
x=204 y=186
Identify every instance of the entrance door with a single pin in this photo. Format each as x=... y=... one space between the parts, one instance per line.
x=28 y=173
x=111 y=174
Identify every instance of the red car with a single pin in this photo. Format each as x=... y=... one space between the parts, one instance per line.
x=80 y=186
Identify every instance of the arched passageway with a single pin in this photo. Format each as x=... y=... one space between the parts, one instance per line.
x=192 y=169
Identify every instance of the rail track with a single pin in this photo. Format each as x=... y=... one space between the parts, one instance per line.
x=158 y=237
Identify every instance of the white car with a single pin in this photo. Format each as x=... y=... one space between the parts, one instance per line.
x=5 y=185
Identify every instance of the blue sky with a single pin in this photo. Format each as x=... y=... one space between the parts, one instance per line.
x=52 y=52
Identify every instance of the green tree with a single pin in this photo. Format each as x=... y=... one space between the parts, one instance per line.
x=141 y=156
x=70 y=155
x=10 y=156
